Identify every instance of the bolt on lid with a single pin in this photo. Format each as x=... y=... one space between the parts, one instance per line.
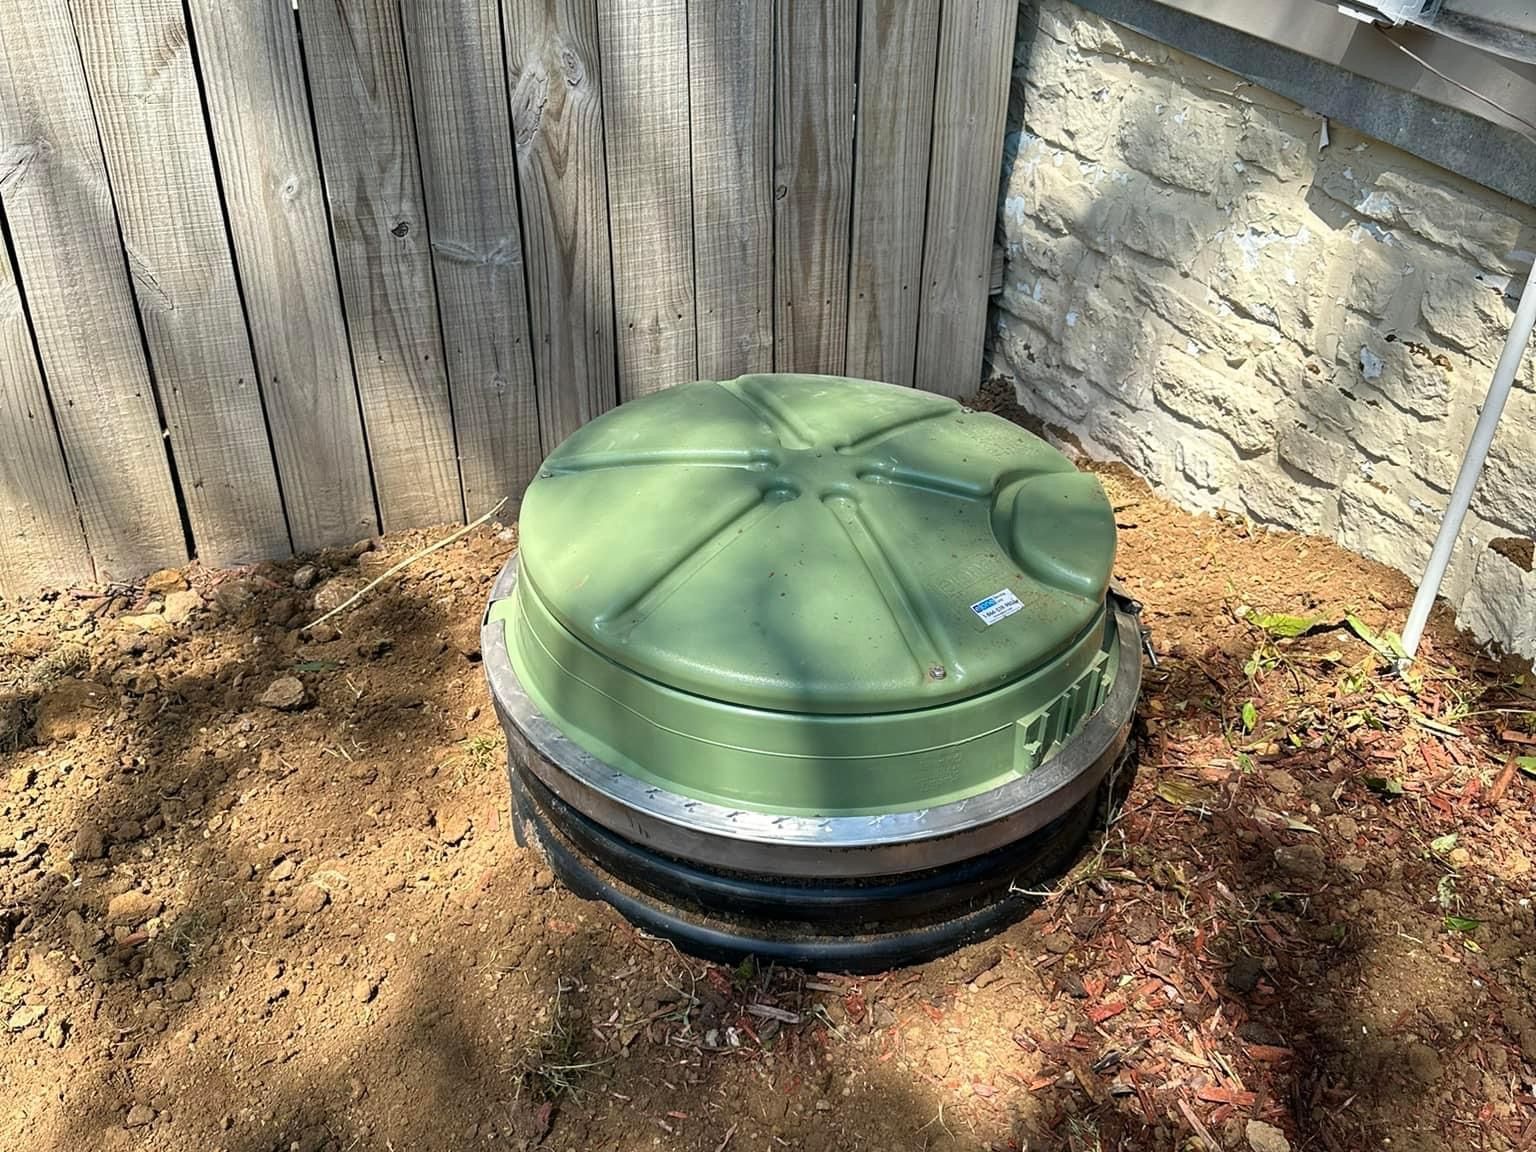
x=812 y=544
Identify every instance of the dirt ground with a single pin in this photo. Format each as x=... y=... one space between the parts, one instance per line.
x=258 y=891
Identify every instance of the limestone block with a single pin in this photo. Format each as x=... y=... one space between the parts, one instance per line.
x=1106 y=336
x=1299 y=377
x=1453 y=217
x=1463 y=311
x=1180 y=138
x=1133 y=438
x=1031 y=247
x=1058 y=20
x=1266 y=262
x=1501 y=602
x=1071 y=101
x=1337 y=179
x=1054 y=61
x=1059 y=193
x=1429 y=450
x=1241 y=408
x=1032 y=359
x=1069 y=24
x=1283 y=145
x=1206 y=460
x=1208 y=320
x=1273 y=497
x=1033 y=297
x=1378 y=524
x=1069 y=396
x=1435 y=447
x=1507 y=492
x=1314 y=453
x=1041 y=407
x=1084 y=122
x=1407 y=371
x=1380 y=280
x=1170 y=227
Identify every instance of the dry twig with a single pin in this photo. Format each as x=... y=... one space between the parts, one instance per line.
x=406 y=563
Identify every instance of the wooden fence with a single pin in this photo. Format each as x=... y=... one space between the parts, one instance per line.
x=276 y=276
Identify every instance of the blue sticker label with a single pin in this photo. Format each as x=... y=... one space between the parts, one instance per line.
x=998 y=606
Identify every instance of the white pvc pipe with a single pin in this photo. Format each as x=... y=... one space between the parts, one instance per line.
x=1472 y=466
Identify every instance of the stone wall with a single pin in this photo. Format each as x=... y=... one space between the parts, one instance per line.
x=1260 y=311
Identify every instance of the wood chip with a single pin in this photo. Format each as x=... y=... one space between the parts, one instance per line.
x=1185 y=1056
x=1268 y=1053
x=1214 y=1094
x=1501 y=785
x=1103 y=1012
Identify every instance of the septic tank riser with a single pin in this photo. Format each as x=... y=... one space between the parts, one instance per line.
x=811 y=847
x=846 y=902
x=818 y=669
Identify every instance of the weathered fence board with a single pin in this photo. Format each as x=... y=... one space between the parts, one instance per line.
x=357 y=83
x=557 y=124
x=53 y=187
x=898 y=52
x=730 y=97
x=41 y=543
x=969 y=111
x=813 y=174
x=457 y=77
x=334 y=265
x=260 y=115
x=650 y=193
x=144 y=90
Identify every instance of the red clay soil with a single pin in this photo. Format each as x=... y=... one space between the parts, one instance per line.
x=258 y=892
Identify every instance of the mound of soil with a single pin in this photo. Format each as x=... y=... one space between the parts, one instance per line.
x=258 y=892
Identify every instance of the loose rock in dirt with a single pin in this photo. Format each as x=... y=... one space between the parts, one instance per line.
x=182 y=606
x=26 y=1016
x=453 y=828
x=1059 y=943
x=90 y=843
x=1264 y=1137
x=163 y=581
x=1424 y=1063
x=285 y=694
x=129 y=909
x=1302 y=860
x=311 y=899
x=1243 y=977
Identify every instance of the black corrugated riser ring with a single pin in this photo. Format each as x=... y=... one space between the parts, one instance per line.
x=857 y=926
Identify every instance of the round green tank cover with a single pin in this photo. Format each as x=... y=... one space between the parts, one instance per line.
x=811 y=593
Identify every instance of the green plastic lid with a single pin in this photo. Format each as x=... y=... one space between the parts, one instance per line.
x=734 y=587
